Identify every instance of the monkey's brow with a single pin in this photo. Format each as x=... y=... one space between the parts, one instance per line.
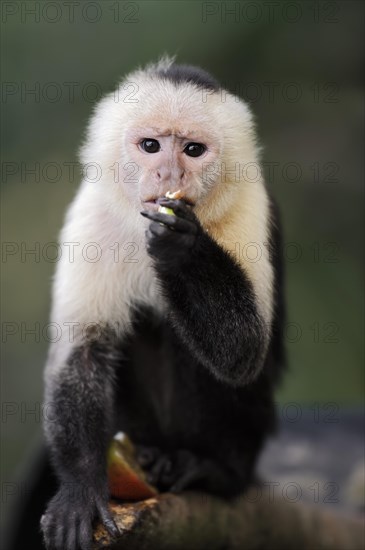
x=185 y=133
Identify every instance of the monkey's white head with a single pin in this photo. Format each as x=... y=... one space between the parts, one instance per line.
x=166 y=128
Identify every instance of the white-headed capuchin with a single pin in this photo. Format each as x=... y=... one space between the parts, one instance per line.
x=171 y=321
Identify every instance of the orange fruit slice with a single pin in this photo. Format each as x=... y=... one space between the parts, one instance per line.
x=127 y=480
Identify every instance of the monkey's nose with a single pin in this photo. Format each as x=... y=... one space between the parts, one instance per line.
x=166 y=174
x=163 y=173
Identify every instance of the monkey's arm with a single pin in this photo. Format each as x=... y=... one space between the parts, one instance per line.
x=211 y=299
x=78 y=428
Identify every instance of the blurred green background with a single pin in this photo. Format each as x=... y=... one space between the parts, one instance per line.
x=299 y=66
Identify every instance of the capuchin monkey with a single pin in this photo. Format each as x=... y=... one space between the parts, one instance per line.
x=171 y=323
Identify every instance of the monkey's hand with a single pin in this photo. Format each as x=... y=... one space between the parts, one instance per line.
x=169 y=472
x=170 y=239
x=182 y=469
x=68 y=521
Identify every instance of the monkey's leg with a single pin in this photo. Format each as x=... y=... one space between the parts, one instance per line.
x=78 y=429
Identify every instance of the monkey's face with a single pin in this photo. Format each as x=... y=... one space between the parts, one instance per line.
x=168 y=159
x=170 y=138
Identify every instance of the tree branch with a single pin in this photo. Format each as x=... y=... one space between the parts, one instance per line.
x=253 y=521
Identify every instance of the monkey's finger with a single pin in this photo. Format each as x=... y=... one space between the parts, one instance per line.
x=108 y=521
x=157 y=216
x=60 y=534
x=47 y=537
x=166 y=219
x=158 y=230
x=161 y=230
x=71 y=541
x=180 y=207
x=162 y=465
x=49 y=528
x=147 y=455
x=185 y=480
x=84 y=534
x=173 y=222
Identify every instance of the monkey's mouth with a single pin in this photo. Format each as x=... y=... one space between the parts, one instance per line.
x=152 y=204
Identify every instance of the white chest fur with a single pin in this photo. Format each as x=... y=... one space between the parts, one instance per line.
x=104 y=266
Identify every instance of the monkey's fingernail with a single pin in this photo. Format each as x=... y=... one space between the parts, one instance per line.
x=144 y=213
x=112 y=528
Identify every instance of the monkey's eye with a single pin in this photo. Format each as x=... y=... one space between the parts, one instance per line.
x=150 y=145
x=194 y=149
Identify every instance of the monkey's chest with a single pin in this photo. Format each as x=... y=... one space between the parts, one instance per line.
x=166 y=398
x=159 y=388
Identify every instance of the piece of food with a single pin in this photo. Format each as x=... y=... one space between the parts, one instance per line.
x=176 y=195
x=169 y=195
x=126 y=479
x=165 y=210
